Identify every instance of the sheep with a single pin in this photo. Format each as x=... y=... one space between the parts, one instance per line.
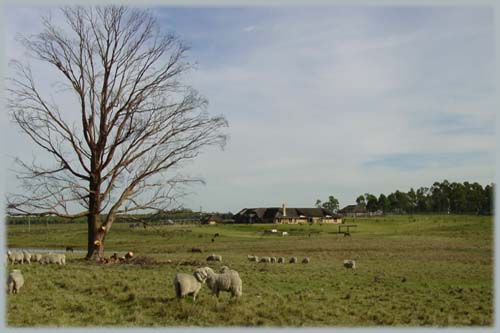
x=15 y=257
x=306 y=260
x=70 y=249
x=293 y=260
x=15 y=281
x=187 y=284
x=196 y=250
x=349 y=264
x=214 y=257
x=35 y=257
x=273 y=260
x=253 y=258
x=281 y=260
x=27 y=257
x=265 y=259
x=129 y=255
x=53 y=258
x=228 y=280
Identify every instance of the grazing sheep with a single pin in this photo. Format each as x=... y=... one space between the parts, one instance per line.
x=196 y=250
x=69 y=249
x=281 y=260
x=265 y=259
x=15 y=281
x=15 y=257
x=273 y=260
x=253 y=258
x=349 y=264
x=284 y=233
x=35 y=257
x=53 y=258
x=214 y=257
x=228 y=280
x=187 y=284
x=305 y=260
x=129 y=255
x=216 y=235
x=293 y=260
x=27 y=257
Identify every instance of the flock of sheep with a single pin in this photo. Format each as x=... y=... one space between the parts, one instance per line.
x=280 y=260
x=26 y=257
x=16 y=280
x=184 y=284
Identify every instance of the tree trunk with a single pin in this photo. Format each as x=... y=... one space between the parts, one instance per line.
x=96 y=236
x=96 y=232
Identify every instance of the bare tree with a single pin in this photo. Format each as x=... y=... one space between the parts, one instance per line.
x=136 y=122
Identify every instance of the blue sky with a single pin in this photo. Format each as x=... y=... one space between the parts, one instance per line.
x=329 y=100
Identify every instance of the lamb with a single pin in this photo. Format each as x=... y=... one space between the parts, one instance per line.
x=281 y=260
x=265 y=259
x=15 y=281
x=273 y=260
x=27 y=257
x=306 y=260
x=349 y=264
x=293 y=260
x=187 y=284
x=15 y=257
x=228 y=280
x=214 y=257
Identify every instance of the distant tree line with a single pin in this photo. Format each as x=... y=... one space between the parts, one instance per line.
x=441 y=197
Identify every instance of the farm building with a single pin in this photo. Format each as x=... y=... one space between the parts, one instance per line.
x=354 y=210
x=211 y=219
x=286 y=215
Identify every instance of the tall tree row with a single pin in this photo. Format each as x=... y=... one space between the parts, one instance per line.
x=441 y=197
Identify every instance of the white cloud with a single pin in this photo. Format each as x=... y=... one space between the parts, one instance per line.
x=249 y=28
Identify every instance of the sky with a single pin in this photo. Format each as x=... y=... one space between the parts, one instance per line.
x=324 y=100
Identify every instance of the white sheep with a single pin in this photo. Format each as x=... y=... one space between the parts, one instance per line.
x=253 y=258
x=293 y=260
x=306 y=260
x=35 y=257
x=228 y=280
x=27 y=257
x=265 y=259
x=15 y=257
x=281 y=260
x=214 y=257
x=53 y=258
x=187 y=284
x=349 y=264
x=15 y=281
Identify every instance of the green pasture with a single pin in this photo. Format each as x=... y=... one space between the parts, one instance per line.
x=428 y=270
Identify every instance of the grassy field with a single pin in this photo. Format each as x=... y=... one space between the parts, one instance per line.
x=412 y=271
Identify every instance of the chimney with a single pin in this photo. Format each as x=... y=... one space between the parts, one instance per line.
x=284 y=209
